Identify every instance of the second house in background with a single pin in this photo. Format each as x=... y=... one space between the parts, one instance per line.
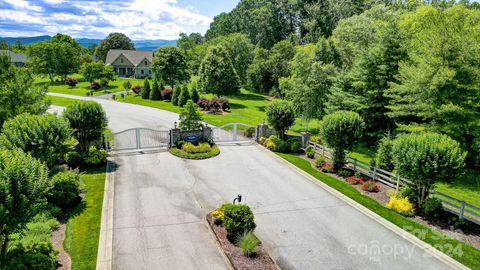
x=130 y=63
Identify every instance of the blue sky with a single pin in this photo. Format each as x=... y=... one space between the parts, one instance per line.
x=139 y=19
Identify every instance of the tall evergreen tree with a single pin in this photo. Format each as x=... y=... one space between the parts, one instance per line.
x=184 y=96
x=146 y=89
x=157 y=87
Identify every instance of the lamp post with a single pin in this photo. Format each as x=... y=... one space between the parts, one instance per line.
x=238 y=199
x=175 y=124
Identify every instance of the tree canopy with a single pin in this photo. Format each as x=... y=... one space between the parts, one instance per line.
x=217 y=74
x=170 y=65
x=114 y=41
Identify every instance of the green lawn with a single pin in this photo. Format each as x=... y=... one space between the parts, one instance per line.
x=83 y=87
x=61 y=101
x=465 y=254
x=83 y=228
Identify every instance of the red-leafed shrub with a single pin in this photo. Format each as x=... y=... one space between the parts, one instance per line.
x=354 y=180
x=136 y=89
x=215 y=105
x=71 y=82
x=95 y=86
x=224 y=104
x=370 y=186
x=167 y=93
x=204 y=104
x=327 y=167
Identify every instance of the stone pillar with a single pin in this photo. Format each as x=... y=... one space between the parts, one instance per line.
x=305 y=139
x=174 y=136
x=262 y=130
x=207 y=133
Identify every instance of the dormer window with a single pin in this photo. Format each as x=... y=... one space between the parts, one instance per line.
x=145 y=62
x=121 y=60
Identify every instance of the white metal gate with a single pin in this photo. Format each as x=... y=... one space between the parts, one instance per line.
x=136 y=139
x=234 y=132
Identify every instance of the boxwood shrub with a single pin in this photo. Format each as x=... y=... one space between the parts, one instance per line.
x=237 y=219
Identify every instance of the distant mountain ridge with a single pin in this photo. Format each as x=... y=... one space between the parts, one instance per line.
x=141 y=45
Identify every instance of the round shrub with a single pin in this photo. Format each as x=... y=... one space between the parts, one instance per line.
x=293 y=145
x=341 y=131
x=88 y=120
x=280 y=116
x=310 y=152
x=426 y=158
x=432 y=206
x=38 y=256
x=65 y=189
x=238 y=219
x=46 y=137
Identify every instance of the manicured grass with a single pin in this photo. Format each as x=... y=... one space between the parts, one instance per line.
x=83 y=228
x=83 y=87
x=463 y=253
x=61 y=101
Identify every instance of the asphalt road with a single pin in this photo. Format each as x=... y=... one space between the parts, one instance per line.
x=160 y=202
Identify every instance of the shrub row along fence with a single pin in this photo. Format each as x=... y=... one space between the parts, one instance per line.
x=462 y=209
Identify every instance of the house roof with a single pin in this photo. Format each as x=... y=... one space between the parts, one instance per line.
x=135 y=57
x=14 y=57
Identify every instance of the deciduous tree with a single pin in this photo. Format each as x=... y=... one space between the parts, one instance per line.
x=217 y=74
x=114 y=41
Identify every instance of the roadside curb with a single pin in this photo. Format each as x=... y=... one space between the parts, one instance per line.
x=454 y=264
x=217 y=243
x=105 y=242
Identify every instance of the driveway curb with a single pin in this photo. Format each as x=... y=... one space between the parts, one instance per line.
x=454 y=264
x=105 y=243
x=227 y=260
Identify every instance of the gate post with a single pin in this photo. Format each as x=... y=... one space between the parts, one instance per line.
x=137 y=137
x=235 y=131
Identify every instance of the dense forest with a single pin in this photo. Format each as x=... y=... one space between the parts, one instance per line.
x=404 y=66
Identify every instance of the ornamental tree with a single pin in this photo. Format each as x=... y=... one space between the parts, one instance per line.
x=96 y=71
x=341 y=131
x=145 y=93
x=170 y=65
x=217 y=74
x=194 y=94
x=23 y=183
x=46 y=137
x=157 y=87
x=190 y=117
x=176 y=93
x=280 y=116
x=426 y=158
x=88 y=120
x=184 y=96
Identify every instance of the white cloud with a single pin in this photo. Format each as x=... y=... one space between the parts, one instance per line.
x=139 y=19
x=23 y=4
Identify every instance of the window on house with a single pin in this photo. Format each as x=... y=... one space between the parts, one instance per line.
x=121 y=60
x=142 y=71
x=145 y=63
x=149 y=71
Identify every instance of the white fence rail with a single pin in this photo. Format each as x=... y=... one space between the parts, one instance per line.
x=462 y=209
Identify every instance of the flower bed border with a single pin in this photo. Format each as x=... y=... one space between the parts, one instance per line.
x=269 y=263
x=198 y=156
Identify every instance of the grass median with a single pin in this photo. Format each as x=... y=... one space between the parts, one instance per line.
x=83 y=227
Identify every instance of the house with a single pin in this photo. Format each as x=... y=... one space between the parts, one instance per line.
x=128 y=63
x=17 y=58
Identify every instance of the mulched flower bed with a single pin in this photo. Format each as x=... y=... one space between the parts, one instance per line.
x=469 y=234
x=261 y=261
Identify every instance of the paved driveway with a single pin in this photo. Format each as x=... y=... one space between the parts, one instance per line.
x=160 y=202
